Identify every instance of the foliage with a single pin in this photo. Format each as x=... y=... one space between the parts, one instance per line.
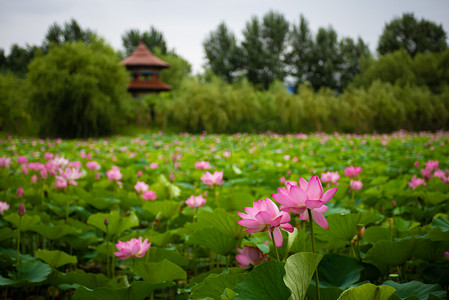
x=153 y=39
x=378 y=237
x=78 y=90
x=72 y=32
x=412 y=36
x=222 y=53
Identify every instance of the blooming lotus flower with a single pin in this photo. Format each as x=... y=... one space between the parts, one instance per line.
x=114 y=174
x=432 y=165
x=356 y=185
x=93 y=165
x=132 y=249
x=34 y=179
x=35 y=166
x=60 y=184
x=48 y=156
x=352 y=171
x=5 y=162
x=212 y=179
x=416 y=182
x=3 y=206
x=141 y=187
x=60 y=162
x=263 y=216
x=22 y=160
x=307 y=195
x=196 y=201
x=148 y=195
x=202 y=165
x=154 y=165
x=330 y=177
x=441 y=174
x=70 y=175
x=250 y=256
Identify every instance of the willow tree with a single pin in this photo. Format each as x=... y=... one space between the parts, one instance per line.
x=78 y=90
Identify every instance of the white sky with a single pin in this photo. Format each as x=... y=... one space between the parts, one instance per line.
x=186 y=23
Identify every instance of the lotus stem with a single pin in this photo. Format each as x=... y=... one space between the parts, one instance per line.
x=275 y=248
x=314 y=251
x=18 y=240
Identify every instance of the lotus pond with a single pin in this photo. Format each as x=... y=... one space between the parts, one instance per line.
x=225 y=217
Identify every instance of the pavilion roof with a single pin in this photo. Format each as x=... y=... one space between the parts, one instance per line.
x=142 y=56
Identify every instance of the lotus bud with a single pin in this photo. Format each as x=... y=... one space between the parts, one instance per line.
x=21 y=210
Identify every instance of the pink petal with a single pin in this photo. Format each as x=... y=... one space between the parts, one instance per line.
x=248 y=222
x=311 y=204
x=322 y=209
x=298 y=195
x=304 y=216
x=328 y=195
x=277 y=236
x=287 y=227
x=314 y=188
x=320 y=219
x=303 y=183
x=283 y=199
x=264 y=217
x=243 y=260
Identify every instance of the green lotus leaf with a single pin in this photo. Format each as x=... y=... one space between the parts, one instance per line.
x=55 y=258
x=367 y=291
x=416 y=288
x=117 y=223
x=159 y=272
x=215 y=285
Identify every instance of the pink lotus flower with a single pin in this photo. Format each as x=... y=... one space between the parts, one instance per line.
x=196 y=201
x=48 y=156
x=330 y=177
x=3 y=206
x=148 y=195
x=114 y=174
x=132 y=249
x=5 y=162
x=22 y=160
x=440 y=173
x=35 y=166
x=19 y=192
x=141 y=187
x=250 y=256
x=139 y=174
x=60 y=162
x=265 y=215
x=352 y=171
x=70 y=175
x=154 y=165
x=93 y=165
x=416 y=182
x=75 y=164
x=432 y=165
x=307 y=195
x=34 y=179
x=212 y=179
x=60 y=184
x=446 y=253
x=202 y=165
x=356 y=185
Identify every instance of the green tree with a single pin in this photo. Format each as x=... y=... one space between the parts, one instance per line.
x=78 y=90
x=352 y=55
x=153 y=39
x=264 y=49
x=70 y=32
x=299 y=57
x=18 y=59
x=222 y=53
x=412 y=35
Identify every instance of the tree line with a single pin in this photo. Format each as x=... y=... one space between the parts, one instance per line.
x=273 y=49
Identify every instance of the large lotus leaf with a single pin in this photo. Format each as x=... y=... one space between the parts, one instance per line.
x=27 y=222
x=28 y=274
x=430 y=251
x=117 y=223
x=223 y=221
x=339 y=271
x=214 y=240
x=437 y=235
x=391 y=252
x=368 y=291
x=437 y=273
x=441 y=223
x=159 y=272
x=265 y=282
x=158 y=254
x=215 y=284
x=299 y=270
x=329 y=293
x=138 y=290
x=344 y=227
x=55 y=258
x=435 y=198
x=7 y=233
x=238 y=200
x=416 y=288
x=404 y=225
x=88 y=280
x=373 y=234
x=166 y=209
x=55 y=232
x=101 y=203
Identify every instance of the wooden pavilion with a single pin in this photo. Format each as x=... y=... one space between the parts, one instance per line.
x=145 y=67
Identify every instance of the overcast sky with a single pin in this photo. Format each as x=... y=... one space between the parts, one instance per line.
x=186 y=23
